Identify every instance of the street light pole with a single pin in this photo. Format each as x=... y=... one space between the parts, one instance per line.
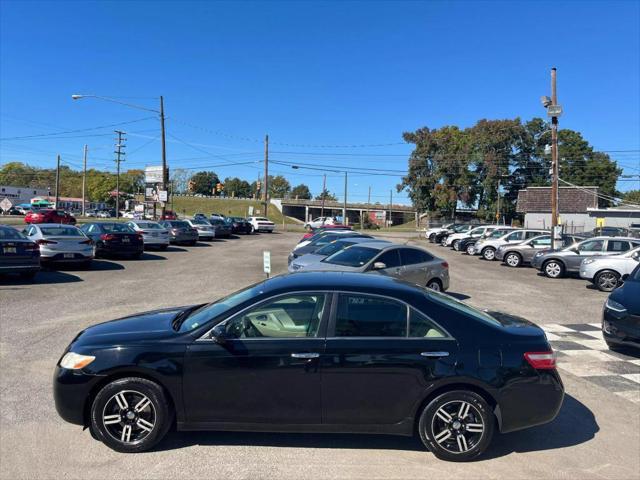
x=554 y=161
x=84 y=180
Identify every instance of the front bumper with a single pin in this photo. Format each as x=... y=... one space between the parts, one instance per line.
x=536 y=262
x=621 y=329
x=71 y=390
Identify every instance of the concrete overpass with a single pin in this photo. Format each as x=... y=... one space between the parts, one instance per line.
x=305 y=210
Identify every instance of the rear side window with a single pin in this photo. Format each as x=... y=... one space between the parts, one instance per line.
x=529 y=235
x=592 y=246
x=369 y=316
x=422 y=327
x=411 y=256
x=390 y=258
x=617 y=246
x=515 y=236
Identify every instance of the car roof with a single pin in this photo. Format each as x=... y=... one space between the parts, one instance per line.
x=384 y=245
x=52 y=225
x=361 y=240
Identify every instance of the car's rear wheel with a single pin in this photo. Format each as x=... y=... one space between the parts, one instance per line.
x=435 y=284
x=471 y=249
x=130 y=415
x=456 y=244
x=553 y=269
x=513 y=259
x=607 y=280
x=457 y=426
x=489 y=253
x=443 y=242
x=432 y=237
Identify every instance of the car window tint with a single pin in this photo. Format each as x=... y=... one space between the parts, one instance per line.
x=617 y=246
x=515 y=236
x=411 y=256
x=10 y=234
x=421 y=326
x=541 y=241
x=116 y=228
x=333 y=247
x=368 y=316
x=390 y=258
x=354 y=256
x=290 y=316
x=529 y=235
x=63 y=231
x=591 y=246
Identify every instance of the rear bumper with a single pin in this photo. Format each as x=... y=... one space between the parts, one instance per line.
x=182 y=238
x=71 y=390
x=156 y=240
x=60 y=257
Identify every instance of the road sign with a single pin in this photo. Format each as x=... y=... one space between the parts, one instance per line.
x=251 y=210
x=153 y=174
x=266 y=262
x=599 y=222
x=554 y=110
x=162 y=195
x=6 y=204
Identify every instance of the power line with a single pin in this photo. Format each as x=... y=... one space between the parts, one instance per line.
x=77 y=130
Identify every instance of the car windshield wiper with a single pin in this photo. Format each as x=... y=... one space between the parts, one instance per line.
x=183 y=315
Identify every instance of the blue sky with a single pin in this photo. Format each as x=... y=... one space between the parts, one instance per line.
x=313 y=75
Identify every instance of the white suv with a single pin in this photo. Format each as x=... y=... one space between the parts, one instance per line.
x=453 y=240
x=487 y=247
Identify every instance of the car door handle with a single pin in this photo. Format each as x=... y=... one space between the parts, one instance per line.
x=434 y=354
x=305 y=355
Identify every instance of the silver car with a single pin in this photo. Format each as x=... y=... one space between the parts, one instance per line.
x=605 y=272
x=487 y=247
x=153 y=234
x=557 y=263
x=522 y=253
x=204 y=228
x=329 y=249
x=407 y=263
x=61 y=243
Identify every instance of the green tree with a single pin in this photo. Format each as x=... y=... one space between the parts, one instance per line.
x=204 y=182
x=327 y=195
x=632 y=196
x=236 y=187
x=279 y=187
x=301 y=192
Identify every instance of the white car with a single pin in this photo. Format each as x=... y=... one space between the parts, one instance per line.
x=434 y=231
x=61 y=243
x=606 y=271
x=153 y=234
x=127 y=214
x=488 y=246
x=318 y=222
x=204 y=228
x=261 y=224
x=452 y=240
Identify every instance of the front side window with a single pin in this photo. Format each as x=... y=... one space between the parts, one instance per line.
x=290 y=316
x=544 y=241
x=390 y=258
x=515 y=236
x=591 y=246
x=368 y=316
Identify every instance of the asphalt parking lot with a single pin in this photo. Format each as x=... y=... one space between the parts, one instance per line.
x=596 y=435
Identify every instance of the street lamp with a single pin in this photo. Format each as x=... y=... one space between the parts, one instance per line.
x=160 y=112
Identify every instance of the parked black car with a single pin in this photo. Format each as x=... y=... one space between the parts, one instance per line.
x=239 y=225
x=18 y=254
x=313 y=352
x=222 y=228
x=114 y=239
x=621 y=314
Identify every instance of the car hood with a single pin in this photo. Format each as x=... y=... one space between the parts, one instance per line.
x=308 y=259
x=629 y=296
x=330 y=267
x=152 y=325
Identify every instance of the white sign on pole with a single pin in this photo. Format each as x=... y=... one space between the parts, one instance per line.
x=251 y=210
x=162 y=195
x=139 y=208
x=6 y=204
x=266 y=262
x=153 y=174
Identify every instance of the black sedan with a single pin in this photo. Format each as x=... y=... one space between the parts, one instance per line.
x=114 y=239
x=239 y=225
x=18 y=254
x=313 y=352
x=621 y=314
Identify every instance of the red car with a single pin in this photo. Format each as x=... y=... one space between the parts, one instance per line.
x=313 y=231
x=49 y=215
x=169 y=215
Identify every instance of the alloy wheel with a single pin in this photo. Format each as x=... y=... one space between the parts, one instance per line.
x=553 y=269
x=470 y=249
x=512 y=259
x=129 y=416
x=489 y=253
x=457 y=426
x=607 y=281
x=435 y=285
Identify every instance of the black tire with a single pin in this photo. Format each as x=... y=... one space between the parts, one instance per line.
x=489 y=253
x=553 y=268
x=435 y=284
x=438 y=434
x=27 y=275
x=470 y=248
x=456 y=245
x=513 y=259
x=607 y=280
x=443 y=241
x=432 y=237
x=157 y=413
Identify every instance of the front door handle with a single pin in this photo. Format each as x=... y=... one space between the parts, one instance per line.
x=434 y=354
x=305 y=355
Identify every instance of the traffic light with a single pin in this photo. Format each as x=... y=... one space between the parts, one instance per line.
x=219 y=187
x=258 y=184
x=191 y=186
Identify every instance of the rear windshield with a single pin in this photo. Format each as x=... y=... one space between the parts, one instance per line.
x=217 y=222
x=149 y=226
x=333 y=247
x=200 y=221
x=11 y=234
x=262 y=219
x=462 y=307
x=352 y=257
x=179 y=224
x=117 y=228
x=61 y=231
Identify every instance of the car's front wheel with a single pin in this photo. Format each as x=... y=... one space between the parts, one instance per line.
x=553 y=269
x=607 y=280
x=457 y=426
x=456 y=244
x=471 y=249
x=513 y=259
x=489 y=253
x=130 y=415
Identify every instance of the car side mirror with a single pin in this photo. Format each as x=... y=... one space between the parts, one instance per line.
x=575 y=250
x=219 y=334
x=379 y=266
x=636 y=256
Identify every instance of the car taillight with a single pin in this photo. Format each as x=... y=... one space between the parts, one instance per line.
x=106 y=237
x=444 y=265
x=45 y=242
x=541 y=360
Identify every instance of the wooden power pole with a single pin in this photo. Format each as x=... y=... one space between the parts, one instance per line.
x=84 y=180
x=58 y=183
x=265 y=193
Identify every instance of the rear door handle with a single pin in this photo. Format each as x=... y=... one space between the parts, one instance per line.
x=434 y=354
x=305 y=355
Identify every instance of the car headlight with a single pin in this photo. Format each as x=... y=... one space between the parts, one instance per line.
x=615 y=306
x=75 y=361
x=539 y=254
x=501 y=248
x=295 y=266
x=587 y=261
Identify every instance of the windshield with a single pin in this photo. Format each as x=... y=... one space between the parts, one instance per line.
x=333 y=247
x=11 y=234
x=63 y=231
x=462 y=307
x=461 y=228
x=212 y=310
x=200 y=221
x=116 y=228
x=149 y=226
x=497 y=233
x=352 y=256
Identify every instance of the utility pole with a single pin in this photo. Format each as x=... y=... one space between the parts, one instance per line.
x=390 y=206
x=84 y=179
x=119 y=153
x=554 y=160
x=58 y=182
x=344 y=206
x=165 y=172
x=498 y=202
x=265 y=194
x=324 y=188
